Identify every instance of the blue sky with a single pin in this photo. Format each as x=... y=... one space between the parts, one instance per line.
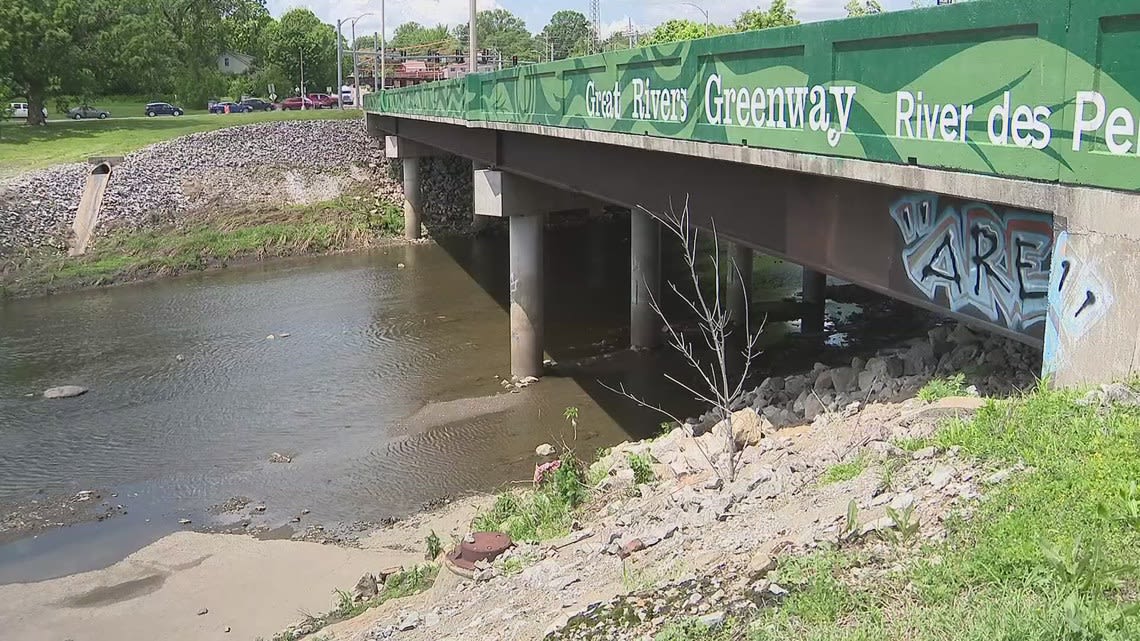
x=615 y=13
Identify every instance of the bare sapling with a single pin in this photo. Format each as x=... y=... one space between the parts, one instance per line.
x=709 y=355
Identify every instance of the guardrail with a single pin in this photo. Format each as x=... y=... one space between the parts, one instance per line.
x=1040 y=89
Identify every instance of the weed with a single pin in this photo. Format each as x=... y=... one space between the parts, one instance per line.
x=642 y=466
x=434 y=546
x=908 y=444
x=905 y=531
x=397 y=586
x=694 y=630
x=543 y=513
x=844 y=471
x=939 y=388
x=887 y=472
x=850 y=521
x=1124 y=508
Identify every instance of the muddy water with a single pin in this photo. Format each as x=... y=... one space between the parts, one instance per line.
x=384 y=392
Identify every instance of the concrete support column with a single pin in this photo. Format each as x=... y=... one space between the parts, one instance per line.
x=526 y=294
x=413 y=198
x=815 y=297
x=478 y=222
x=739 y=289
x=645 y=280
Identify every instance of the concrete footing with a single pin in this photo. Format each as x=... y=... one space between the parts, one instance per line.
x=815 y=298
x=413 y=199
x=526 y=235
x=645 y=280
x=739 y=268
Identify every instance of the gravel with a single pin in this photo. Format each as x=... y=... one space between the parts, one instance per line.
x=289 y=161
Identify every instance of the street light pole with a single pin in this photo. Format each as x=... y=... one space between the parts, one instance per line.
x=339 y=67
x=702 y=10
x=472 y=65
x=383 y=49
x=375 y=59
x=355 y=67
x=302 y=52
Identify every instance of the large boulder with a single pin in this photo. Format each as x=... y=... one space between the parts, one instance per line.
x=65 y=391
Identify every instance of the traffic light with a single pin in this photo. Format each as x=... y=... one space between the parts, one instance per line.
x=514 y=61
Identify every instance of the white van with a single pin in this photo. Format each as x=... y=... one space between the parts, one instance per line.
x=20 y=110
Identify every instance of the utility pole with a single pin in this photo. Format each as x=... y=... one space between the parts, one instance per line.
x=302 y=52
x=375 y=60
x=355 y=68
x=383 y=49
x=339 y=70
x=472 y=64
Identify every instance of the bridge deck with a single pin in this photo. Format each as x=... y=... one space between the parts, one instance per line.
x=1047 y=90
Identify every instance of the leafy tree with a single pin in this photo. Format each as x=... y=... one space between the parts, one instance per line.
x=419 y=39
x=246 y=28
x=857 y=8
x=777 y=15
x=499 y=30
x=48 y=47
x=300 y=33
x=568 y=32
x=677 y=30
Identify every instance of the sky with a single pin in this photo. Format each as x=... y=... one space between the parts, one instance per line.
x=615 y=14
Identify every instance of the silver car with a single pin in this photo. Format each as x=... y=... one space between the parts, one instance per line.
x=79 y=113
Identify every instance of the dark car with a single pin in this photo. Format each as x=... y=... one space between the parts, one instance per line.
x=86 y=111
x=294 y=102
x=162 y=109
x=257 y=104
x=229 y=107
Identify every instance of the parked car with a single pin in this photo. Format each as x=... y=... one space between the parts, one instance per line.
x=20 y=110
x=162 y=109
x=86 y=111
x=323 y=100
x=294 y=102
x=257 y=104
x=228 y=107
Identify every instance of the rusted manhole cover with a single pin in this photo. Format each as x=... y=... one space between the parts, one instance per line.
x=486 y=546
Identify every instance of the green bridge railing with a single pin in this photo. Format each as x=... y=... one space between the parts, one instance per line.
x=1040 y=89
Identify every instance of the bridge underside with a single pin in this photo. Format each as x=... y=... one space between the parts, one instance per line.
x=979 y=262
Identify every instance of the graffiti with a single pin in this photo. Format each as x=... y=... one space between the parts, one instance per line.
x=1078 y=299
x=996 y=265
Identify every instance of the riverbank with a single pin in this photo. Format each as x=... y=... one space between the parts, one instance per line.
x=930 y=518
x=355 y=220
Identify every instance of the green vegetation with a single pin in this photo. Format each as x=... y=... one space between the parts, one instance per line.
x=939 y=388
x=397 y=586
x=23 y=148
x=545 y=512
x=844 y=471
x=693 y=630
x=642 y=466
x=348 y=222
x=1050 y=554
x=434 y=546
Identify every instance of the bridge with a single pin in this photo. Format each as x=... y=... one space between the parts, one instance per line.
x=980 y=159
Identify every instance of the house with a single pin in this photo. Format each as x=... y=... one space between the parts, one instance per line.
x=232 y=63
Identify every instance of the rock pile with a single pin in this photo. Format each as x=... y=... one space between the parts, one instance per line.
x=991 y=365
x=274 y=162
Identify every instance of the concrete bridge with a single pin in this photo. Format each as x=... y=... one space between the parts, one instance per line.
x=980 y=159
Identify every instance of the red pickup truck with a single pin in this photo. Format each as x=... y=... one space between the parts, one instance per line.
x=294 y=102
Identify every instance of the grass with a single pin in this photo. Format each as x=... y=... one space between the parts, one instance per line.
x=844 y=471
x=23 y=148
x=1048 y=555
x=545 y=512
x=347 y=222
x=400 y=585
x=940 y=388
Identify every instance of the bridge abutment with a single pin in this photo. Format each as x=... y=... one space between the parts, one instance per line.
x=645 y=280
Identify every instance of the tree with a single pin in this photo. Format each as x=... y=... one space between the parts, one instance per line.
x=48 y=47
x=419 y=39
x=501 y=31
x=777 y=15
x=300 y=33
x=568 y=33
x=857 y=8
x=677 y=30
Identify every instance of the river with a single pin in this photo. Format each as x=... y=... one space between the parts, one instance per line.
x=383 y=392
